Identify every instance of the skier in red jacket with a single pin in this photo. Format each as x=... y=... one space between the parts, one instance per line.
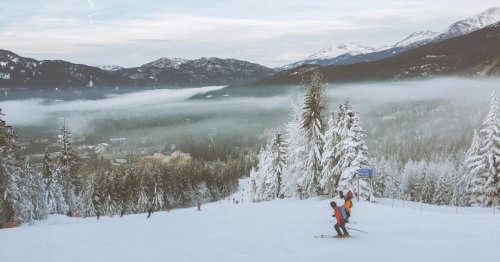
x=340 y=222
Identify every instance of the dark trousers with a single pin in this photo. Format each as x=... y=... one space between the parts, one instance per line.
x=337 y=228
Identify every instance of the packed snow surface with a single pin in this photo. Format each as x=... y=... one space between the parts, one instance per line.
x=280 y=230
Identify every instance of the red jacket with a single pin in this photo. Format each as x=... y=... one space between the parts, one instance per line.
x=338 y=216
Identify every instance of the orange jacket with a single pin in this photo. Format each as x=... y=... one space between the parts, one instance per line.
x=338 y=216
x=348 y=204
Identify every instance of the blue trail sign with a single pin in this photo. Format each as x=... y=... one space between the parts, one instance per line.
x=365 y=172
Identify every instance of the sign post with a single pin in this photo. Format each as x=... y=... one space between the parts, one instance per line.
x=364 y=173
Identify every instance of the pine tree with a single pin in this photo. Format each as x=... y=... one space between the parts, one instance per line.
x=464 y=183
x=352 y=152
x=266 y=181
x=427 y=182
x=445 y=183
x=387 y=181
x=12 y=196
x=313 y=125
x=485 y=185
x=296 y=160
x=329 y=178
x=411 y=179
x=28 y=191
x=55 y=193
x=142 y=204
x=157 y=197
x=89 y=198
x=69 y=164
x=258 y=177
x=14 y=188
x=39 y=200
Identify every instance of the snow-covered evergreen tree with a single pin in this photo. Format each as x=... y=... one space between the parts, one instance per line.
x=13 y=197
x=55 y=192
x=427 y=182
x=68 y=164
x=352 y=152
x=387 y=180
x=266 y=181
x=15 y=189
x=329 y=178
x=313 y=124
x=411 y=179
x=157 y=201
x=142 y=204
x=296 y=160
x=485 y=166
x=445 y=184
x=41 y=208
x=464 y=183
x=89 y=198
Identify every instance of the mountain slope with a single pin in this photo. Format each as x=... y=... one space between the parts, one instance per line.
x=279 y=230
x=17 y=71
x=474 y=55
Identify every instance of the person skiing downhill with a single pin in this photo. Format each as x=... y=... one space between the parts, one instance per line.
x=340 y=221
x=150 y=211
x=348 y=204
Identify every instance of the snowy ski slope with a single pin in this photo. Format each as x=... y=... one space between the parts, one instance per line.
x=280 y=230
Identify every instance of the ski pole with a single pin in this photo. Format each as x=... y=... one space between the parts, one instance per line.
x=350 y=228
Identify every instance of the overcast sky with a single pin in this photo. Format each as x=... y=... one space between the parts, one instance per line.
x=269 y=32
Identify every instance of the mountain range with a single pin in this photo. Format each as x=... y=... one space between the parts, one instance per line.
x=18 y=71
x=352 y=53
x=469 y=47
x=476 y=54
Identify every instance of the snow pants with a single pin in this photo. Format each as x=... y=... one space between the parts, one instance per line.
x=338 y=227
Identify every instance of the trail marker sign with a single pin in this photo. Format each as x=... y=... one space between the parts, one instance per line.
x=364 y=172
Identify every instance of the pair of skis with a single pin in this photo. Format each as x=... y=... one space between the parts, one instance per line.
x=332 y=236
x=336 y=236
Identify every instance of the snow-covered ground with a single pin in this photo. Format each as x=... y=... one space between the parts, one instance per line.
x=280 y=230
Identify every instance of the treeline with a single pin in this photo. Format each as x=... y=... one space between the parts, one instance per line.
x=160 y=186
x=59 y=186
x=471 y=178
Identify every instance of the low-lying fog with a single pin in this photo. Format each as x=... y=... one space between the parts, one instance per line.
x=391 y=112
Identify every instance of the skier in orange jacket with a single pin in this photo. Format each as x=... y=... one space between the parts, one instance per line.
x=340 y=221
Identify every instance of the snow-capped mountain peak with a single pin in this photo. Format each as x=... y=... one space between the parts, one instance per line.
x=167 y=62
x=488 y=17
x=417 y=37
x=337 y=50
x=109 y=68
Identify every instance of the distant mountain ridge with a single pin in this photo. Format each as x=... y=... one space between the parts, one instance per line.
x=203 y=71
x=416 y=39
x=18 y=71
x=476 y=54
